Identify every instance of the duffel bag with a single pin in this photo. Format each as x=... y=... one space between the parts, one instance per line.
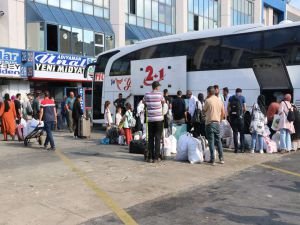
x=137 y=146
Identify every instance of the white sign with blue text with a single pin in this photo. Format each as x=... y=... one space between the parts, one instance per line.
x=10 y=63
x=60 y=66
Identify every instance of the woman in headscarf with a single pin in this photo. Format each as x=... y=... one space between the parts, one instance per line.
x=8 y=115
x=286 y=127
x=258 y=122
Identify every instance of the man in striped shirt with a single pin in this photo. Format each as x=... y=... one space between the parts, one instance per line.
x=154 y=101
x=48 y=115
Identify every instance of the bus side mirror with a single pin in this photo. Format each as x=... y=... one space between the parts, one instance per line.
x=86 y=69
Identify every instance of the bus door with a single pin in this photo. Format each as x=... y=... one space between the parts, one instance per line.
x=97 y=96
x=272 y=77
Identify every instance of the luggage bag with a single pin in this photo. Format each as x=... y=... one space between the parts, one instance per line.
x=137 y=147
x=84 y=129
x=180 y=130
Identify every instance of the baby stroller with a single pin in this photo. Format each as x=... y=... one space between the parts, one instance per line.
x=36 y=133
x=33 y=130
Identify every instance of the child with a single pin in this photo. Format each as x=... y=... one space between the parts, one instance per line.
x=118 y=116
x=107 y=115
x=128 y=116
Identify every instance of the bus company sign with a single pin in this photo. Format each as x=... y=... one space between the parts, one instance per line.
x=11 y=64
x=60 y=66
x=170 y=72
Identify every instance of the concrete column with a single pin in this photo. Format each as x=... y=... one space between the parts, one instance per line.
x=226 y=13
x=270 y=16
x=258 y=11
x=12 y=24
x=181 y=16
x=117 y=19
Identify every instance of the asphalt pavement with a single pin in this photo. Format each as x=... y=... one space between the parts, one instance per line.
x=257 y=195
x=86 y=183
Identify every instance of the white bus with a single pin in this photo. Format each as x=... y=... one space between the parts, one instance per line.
x=253 y=57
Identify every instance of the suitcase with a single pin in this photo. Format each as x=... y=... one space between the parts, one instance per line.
x=137 y=147
x=180 y=130
x=84 y=129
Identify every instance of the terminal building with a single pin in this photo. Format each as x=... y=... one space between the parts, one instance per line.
x=45 y=44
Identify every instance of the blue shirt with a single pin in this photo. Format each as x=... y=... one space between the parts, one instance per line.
x=240 y=97
x=70 y=102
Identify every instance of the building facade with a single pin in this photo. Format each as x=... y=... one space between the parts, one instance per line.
x=53 y=40
x=293 y=14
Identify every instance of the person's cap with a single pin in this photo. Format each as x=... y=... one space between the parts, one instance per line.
x=155 y=84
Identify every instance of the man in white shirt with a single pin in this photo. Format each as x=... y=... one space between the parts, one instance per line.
x=191 y=109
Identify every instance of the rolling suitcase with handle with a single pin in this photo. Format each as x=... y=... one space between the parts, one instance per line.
x=84 y=127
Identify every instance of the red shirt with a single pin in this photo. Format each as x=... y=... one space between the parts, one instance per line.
x=272 y=110
x=48 y=105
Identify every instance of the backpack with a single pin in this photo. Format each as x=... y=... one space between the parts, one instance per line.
x=290 y=115
x=198 y=116
x=178 y=108
x=131 y=121
x=113 y=135
x=235 y=108
x=138 y=125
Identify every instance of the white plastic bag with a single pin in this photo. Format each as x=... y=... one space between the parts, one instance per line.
x=267 y=131
x=275 y=123
x=271 y=146
x=182 y=147
x=207 y=155
x=195 y=152
x=121 y=140
x=173 y=144
x=276 y=138
x=167 y=147
x=225 y=129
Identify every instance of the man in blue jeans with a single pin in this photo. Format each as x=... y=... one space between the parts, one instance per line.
x=48 y=115
x=214 y=113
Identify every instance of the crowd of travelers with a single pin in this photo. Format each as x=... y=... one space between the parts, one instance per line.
x=40 y=107
x=205 y=117
x=158 y=113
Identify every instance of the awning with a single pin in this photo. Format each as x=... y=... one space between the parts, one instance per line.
x=133 y=32
x=37 y=12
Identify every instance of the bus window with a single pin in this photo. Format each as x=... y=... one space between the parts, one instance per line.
x=122 y=65
x=242 y=49
x=210 y=59
x=284 y=43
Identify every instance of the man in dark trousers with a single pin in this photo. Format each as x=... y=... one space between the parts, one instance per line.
x=49 y=116
x=154 y=101
x=236 y=110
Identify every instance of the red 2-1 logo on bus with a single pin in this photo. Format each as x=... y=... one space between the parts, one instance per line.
x=153 y=77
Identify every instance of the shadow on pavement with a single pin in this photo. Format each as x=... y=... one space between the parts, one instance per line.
x=271 y=217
